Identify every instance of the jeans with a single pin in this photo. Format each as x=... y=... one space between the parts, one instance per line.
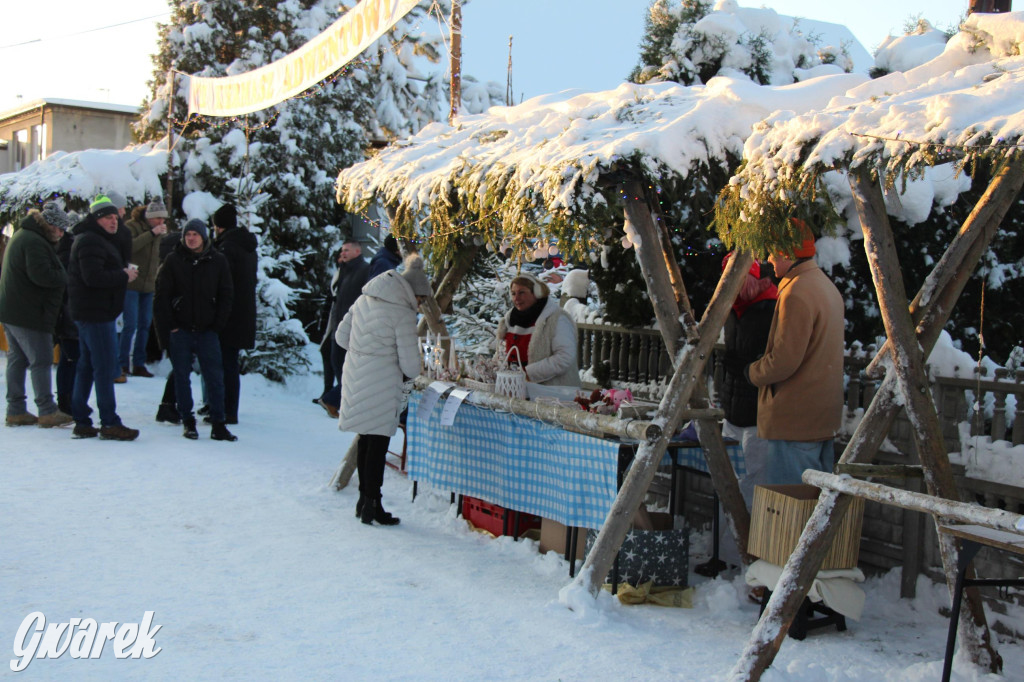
x=66 y=369
x=786 y=460
x=232 y=380
x=97 y=363
x=333 y=396
x=29 y=350
x=204 y=346
x=137 y=316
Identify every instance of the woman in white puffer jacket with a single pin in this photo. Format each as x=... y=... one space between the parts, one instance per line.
x=379 y=335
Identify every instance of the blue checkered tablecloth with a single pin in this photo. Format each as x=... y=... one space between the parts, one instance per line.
x=692 y=457
x=525 y=464
x=516 y=462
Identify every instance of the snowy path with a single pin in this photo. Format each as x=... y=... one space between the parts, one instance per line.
x=257 y=571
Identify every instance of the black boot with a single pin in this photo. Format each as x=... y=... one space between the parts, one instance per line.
x=367 y=512
x=220 y=432
x=382 y=517
x=190 y=429
x=360 y=504
x=168 y=414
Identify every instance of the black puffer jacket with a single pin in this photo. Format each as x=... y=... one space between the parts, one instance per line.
x=239 y=247
x=96 y=274
x=352 y=276
x=193 y=292
x=745 y=341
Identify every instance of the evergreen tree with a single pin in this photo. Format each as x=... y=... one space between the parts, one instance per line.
x=287 y=157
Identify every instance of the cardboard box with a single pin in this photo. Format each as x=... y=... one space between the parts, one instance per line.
x=661 y=554
x=552 y=538
x=778 y=517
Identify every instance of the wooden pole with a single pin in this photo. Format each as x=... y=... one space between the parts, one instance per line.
x=456 y=60
x=688 y=372
x=347 y=467
x=949 y=510
x=169 y=182
x=908 y=365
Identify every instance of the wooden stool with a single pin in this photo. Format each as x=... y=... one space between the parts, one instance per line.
x=805 y=621
x=972 y=539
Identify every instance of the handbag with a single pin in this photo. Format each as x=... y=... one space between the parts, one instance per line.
x=511 y=381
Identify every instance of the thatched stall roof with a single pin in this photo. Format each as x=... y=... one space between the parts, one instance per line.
x=548 y=167
x=959 y=108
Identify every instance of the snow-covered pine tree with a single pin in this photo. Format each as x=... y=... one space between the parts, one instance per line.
x=291 y=151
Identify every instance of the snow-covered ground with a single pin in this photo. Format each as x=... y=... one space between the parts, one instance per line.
x=255 y=569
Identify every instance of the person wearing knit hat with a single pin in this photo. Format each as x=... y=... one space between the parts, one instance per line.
x=102 y=206
x=542 y=334
x=31 y=293
x=119 y=200
x=382 y=357
x=226 y=217
x=198 y=226
x=156 y=209
x=800 y=375
x=416 y=276
x=239 y=248
x=146 y=228
x=55 y=215
x=194 y=295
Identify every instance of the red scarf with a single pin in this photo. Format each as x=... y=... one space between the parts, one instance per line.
x=754 y=290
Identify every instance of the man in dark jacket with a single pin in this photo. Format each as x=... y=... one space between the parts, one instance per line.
x=193 y=301
x=353 y=273
x=98 y=276
x=239 y=248
x=388 y=258
x=32 y=285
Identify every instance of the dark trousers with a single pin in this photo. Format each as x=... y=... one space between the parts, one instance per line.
x=97 y=363
x=205 y=347
x=66 y=372
x=325 y=357
x=232 y=380
x=372 y=452
x=333 y=396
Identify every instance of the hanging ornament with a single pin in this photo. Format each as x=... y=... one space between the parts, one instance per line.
x=552 y=250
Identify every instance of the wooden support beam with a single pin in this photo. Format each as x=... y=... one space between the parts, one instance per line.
x=445 y=289
x=908 y=366
x=347 y=467
x=948 y=510
x=879 y=470
x=954 y=269
x=689 y=371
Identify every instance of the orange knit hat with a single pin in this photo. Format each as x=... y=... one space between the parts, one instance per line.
x=806 y=248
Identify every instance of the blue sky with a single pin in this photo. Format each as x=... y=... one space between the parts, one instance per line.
x=557 y=44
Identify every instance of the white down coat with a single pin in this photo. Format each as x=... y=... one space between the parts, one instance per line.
x=379 y=333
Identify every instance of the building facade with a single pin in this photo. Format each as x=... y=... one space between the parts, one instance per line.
x=33 y=131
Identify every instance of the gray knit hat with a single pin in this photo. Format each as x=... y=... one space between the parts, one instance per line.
x=117 y=199
x=55 y=215
x=416 y=276
x=195 y=225
x=156 y=209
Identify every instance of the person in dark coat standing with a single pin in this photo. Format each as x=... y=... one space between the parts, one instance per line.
x=66 y=332
x=353 y=273
x=239 y=248
x=32 y=284
x=388 y=258
x=193 y=301
x=98 y=276
x=746 y=335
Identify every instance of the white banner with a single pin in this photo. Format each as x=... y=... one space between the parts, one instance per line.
x=264 y=87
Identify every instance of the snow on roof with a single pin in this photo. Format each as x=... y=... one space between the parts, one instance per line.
x=135 y=172
x=82 y=104
x=964 y=104
x=550 y=158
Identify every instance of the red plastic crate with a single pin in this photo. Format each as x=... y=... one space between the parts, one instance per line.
x=493 y=517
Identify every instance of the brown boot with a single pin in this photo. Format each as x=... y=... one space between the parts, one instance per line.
x=141 y=371
x=57 y=418
x=118 y=432
x=23 y=419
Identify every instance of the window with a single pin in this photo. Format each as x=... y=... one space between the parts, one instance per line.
x=21 y=149
x=39 y=142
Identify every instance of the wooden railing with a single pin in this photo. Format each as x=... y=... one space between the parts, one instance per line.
x=637 y=358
